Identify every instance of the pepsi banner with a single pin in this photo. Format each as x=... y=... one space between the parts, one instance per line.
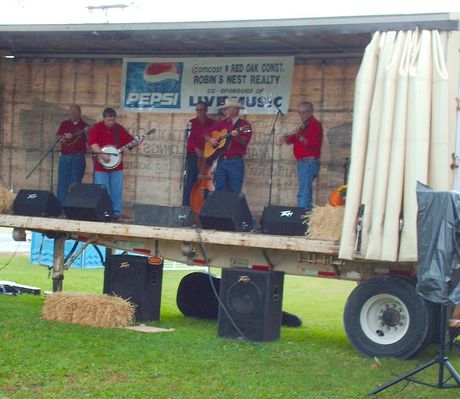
x=261 y=84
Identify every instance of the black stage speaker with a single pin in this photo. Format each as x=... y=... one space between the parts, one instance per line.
x=88 y=202
x=133 y=278
x=284 y=220
x=253 y=299
x=36 y=203
x=226 y=211
x=195 y=296
x=167 y=216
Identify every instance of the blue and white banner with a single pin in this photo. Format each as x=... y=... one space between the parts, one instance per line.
x=175 y=85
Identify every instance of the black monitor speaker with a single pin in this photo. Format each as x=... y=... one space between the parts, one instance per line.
x=253 y=300
x=226 y=211
x=88 y=202
x=36 y=203
x=167 y=216
x=284 y=220
x=133 y=278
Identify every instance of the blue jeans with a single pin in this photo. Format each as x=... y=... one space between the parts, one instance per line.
x=229 y=174
x=191 y=176
x=70 y=171
x=113 y=181
x=307 y=171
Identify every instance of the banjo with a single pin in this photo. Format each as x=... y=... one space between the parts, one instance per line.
x=116 y=153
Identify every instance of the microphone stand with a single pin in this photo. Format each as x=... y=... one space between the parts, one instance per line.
x=50 y=150
x=184 y=156
x=272 y=138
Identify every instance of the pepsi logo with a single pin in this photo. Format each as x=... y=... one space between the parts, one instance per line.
x=158 y=72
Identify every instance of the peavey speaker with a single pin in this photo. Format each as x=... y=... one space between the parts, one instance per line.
x=133 y=278
x=284 y=220
x=253 y=300
x=88 y=202
x=226 y=211
x=167 y=216
x=36 y=203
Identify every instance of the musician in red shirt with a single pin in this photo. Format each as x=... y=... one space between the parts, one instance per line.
x=307 y=140
x=196 y=129
x=229 y=173
x=106 y=169
x=72 y=163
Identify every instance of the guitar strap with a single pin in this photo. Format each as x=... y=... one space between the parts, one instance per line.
x=115 y=135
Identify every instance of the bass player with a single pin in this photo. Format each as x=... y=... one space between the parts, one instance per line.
x=229 y=173
x=110 y=133
x=72 y=164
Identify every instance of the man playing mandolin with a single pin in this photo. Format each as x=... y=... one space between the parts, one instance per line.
x=109 y=134
x=236 y=134
x=72 y=164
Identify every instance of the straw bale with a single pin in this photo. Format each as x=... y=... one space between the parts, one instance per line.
x=326 y=223
x=88 y=309
x=6 y=200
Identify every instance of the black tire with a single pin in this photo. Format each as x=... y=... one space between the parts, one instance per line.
x=385 y=316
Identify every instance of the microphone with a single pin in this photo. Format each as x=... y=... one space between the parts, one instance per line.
x=279 y=110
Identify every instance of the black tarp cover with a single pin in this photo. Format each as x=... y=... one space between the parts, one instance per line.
x=438 y=235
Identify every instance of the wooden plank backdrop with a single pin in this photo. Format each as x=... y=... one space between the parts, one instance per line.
x=35 y=95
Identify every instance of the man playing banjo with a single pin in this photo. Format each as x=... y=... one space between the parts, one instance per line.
x=105 y=139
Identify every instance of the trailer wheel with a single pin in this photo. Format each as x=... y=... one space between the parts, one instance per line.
x=385 y=316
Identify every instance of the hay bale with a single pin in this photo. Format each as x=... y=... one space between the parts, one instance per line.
x=6 y=200
x=326 y=223
x=88 y=309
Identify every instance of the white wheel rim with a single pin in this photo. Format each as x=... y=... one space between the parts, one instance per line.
x=384 y=319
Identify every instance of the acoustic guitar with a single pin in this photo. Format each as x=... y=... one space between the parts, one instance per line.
x=116 y=153
x=223 y=137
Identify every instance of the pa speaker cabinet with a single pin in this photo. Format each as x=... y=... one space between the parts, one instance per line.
x=167 y=216
x=88 y=202
x=226 y=211
x=36 y=203
x=133 y=278
x=284 y=220
x=253 y=299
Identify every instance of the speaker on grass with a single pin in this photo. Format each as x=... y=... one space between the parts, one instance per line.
x=195 y=296
x=167 y=216
x=253 y=300
x=226 y=211
x=88 y=202
x=36 y=203
x=284 y=220
x=133 y=278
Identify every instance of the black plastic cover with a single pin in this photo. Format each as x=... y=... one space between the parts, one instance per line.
x=438 y=235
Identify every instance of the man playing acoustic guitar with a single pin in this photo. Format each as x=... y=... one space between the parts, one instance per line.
x=108 y=133
x=72 y=162
x=236 y=134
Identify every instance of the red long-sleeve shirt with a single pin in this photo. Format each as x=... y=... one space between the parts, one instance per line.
x=102 y=135
x=312 y=131
x=197 y=132
x=236 y=147
x=79 y=143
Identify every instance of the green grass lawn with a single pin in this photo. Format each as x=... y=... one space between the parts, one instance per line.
x=43 y=359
